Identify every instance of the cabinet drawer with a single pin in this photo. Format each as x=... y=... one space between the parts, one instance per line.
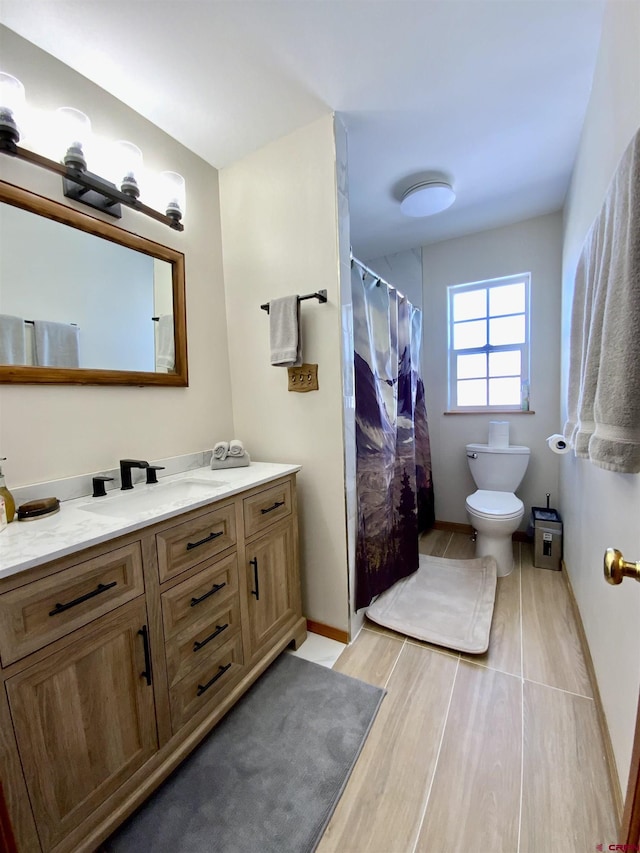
x=199 y=595
x=212 y=679
x=194 y=541
x=201 y=639
x=266 y=507
x=38 y=613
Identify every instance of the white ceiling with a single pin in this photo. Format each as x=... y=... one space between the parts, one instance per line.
x=490 y=92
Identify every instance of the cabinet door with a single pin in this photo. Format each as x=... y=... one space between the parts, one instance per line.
x=84 y=720
x=271 y=587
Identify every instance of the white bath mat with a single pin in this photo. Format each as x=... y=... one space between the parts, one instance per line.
x=446 y=602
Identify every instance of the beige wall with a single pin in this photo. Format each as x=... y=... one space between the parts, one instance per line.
x=59 y=431
x=602 y=508
x=279 y=228
x=532 y=246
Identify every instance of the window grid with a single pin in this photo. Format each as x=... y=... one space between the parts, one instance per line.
x=510 y=383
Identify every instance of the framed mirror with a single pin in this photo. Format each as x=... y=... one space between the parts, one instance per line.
x=84 y=302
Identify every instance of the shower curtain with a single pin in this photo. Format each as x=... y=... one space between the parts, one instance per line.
x=393 y=461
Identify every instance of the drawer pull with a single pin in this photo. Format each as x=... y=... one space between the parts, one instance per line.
x=102 y=587
x=146 y=674
x=206 y=539
x=219 y=674
x=256 y=579
x=199 y=644
x=212 y=591
x=271 y=508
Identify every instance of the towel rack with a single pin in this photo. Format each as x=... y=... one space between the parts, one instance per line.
x=320 y=295
x=31 y=323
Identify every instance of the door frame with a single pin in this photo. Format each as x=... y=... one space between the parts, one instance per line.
x=630 y=830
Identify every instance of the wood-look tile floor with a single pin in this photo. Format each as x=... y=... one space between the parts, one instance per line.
x=497 y=753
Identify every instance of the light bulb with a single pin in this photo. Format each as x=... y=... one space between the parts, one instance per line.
x=74 y=129
x=173 y=194
x=11 y=104
x=128 y=159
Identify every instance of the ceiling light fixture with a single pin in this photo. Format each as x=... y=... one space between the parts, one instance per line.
x=427 y=198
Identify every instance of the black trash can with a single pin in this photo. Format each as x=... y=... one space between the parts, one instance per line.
x=547 y=538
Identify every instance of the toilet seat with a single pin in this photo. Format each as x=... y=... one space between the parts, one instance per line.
x=487 y=504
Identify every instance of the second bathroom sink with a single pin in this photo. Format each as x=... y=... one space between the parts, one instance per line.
x=157 y=497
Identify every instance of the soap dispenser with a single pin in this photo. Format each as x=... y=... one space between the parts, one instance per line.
x=9 y=503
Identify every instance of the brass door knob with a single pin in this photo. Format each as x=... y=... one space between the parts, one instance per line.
x=616 y=567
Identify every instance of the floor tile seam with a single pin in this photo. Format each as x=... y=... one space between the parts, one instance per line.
x=521 y=698
x=435 y=766
x=446 y=547
x=558 y=689
x=417 y=644
x=520 y=808
x=395 y=664
x=492 y=668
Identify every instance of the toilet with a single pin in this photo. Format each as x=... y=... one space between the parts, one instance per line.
x=494 y=510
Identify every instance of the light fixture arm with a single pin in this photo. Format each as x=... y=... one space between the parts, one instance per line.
x=88 y=188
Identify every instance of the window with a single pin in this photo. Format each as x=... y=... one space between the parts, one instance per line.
x=489 y=344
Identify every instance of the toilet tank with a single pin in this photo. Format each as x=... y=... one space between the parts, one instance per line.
x=497 y=469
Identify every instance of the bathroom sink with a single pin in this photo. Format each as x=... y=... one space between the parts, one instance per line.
x=158 y=497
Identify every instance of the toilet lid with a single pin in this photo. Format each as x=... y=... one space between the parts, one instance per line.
x=504 y=504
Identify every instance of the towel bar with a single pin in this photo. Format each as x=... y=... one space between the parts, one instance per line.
x=320 y=295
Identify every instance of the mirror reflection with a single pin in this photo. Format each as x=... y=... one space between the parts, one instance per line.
x=86 y=303
x=105 y=294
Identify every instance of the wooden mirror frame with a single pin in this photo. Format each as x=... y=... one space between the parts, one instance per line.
x=33 y=374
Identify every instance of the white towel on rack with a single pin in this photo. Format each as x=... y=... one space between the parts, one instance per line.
x=13 y=340
x=165 y=344
x=284 y=332
x=57 y=344
x=604 y=374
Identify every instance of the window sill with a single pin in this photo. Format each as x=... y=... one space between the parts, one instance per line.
x=492 y=412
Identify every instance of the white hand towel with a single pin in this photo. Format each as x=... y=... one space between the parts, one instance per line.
x=220 y=450
x=284 y=332
x=236 y=448
x=13 y=348
x=165 y=345
x=604 y=371
x=57 y=344
x=231 y=462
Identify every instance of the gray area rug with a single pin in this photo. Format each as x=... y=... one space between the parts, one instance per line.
x=446 y=602
x=268 y=777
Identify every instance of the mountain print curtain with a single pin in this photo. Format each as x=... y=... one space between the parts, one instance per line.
x=393 y=459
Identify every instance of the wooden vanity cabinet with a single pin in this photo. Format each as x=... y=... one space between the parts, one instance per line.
x=102 y=700
x=84 y=720
x=273 y=598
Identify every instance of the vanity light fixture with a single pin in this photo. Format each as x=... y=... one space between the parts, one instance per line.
x=74 y=131
x=427 y=198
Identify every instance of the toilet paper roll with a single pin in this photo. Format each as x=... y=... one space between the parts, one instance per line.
x=498 y=433
x=558 y=443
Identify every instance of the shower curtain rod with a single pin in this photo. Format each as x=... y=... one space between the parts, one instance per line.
x=375 y=275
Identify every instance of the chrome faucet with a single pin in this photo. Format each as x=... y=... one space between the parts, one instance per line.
x=125 y=471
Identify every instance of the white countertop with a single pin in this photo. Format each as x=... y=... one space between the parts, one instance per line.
x=89 y=521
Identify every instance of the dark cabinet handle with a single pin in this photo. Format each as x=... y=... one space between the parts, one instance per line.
x=256 y=580
x=271 y=508
x=102 y=587
x=146 y=674
x=219 y=674
x=199 y=644
x=206 y=539
x=212 y=591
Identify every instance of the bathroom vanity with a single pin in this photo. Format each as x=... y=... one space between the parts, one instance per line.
x=119 y=655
